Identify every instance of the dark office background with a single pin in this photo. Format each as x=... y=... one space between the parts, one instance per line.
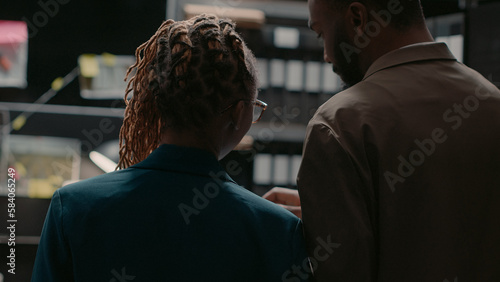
x=118 y=27
x=80 y=26
x=97 y=26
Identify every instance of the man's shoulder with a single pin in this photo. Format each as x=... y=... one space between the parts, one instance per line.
x=348 y=104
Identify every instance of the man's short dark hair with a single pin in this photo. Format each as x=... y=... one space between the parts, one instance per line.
x=411 y=14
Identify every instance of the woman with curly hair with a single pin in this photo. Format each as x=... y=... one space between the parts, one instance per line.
x=171 y=213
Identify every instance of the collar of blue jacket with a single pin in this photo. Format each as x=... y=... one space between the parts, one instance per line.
x=184 y=160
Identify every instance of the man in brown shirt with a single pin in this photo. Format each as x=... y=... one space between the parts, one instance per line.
x=400 y=175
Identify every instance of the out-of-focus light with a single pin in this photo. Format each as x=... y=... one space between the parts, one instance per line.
x=286 y=37
x=102 y=161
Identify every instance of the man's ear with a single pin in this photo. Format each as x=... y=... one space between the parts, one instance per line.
x=357 y=17
x=238 y=115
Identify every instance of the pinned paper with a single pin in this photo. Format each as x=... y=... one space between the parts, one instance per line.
x=21 y=170
x=5 y=63
x=19 y=122
x=108 y=59
x=44 y=188
x=57 y=83
x=13 y=54
x=13 y=32
x=101 y=76
x=89 y=65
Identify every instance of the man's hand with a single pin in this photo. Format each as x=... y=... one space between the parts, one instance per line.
x=287 y=198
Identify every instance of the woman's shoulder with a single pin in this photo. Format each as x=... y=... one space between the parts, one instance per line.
x=252 y=205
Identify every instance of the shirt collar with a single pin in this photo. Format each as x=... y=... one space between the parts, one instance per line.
x=411 y=53
x=184 y=160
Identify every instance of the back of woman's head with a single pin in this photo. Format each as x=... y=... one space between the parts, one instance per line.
x=184 y=75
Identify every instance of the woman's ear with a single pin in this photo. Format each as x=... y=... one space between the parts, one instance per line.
x=238 y=115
